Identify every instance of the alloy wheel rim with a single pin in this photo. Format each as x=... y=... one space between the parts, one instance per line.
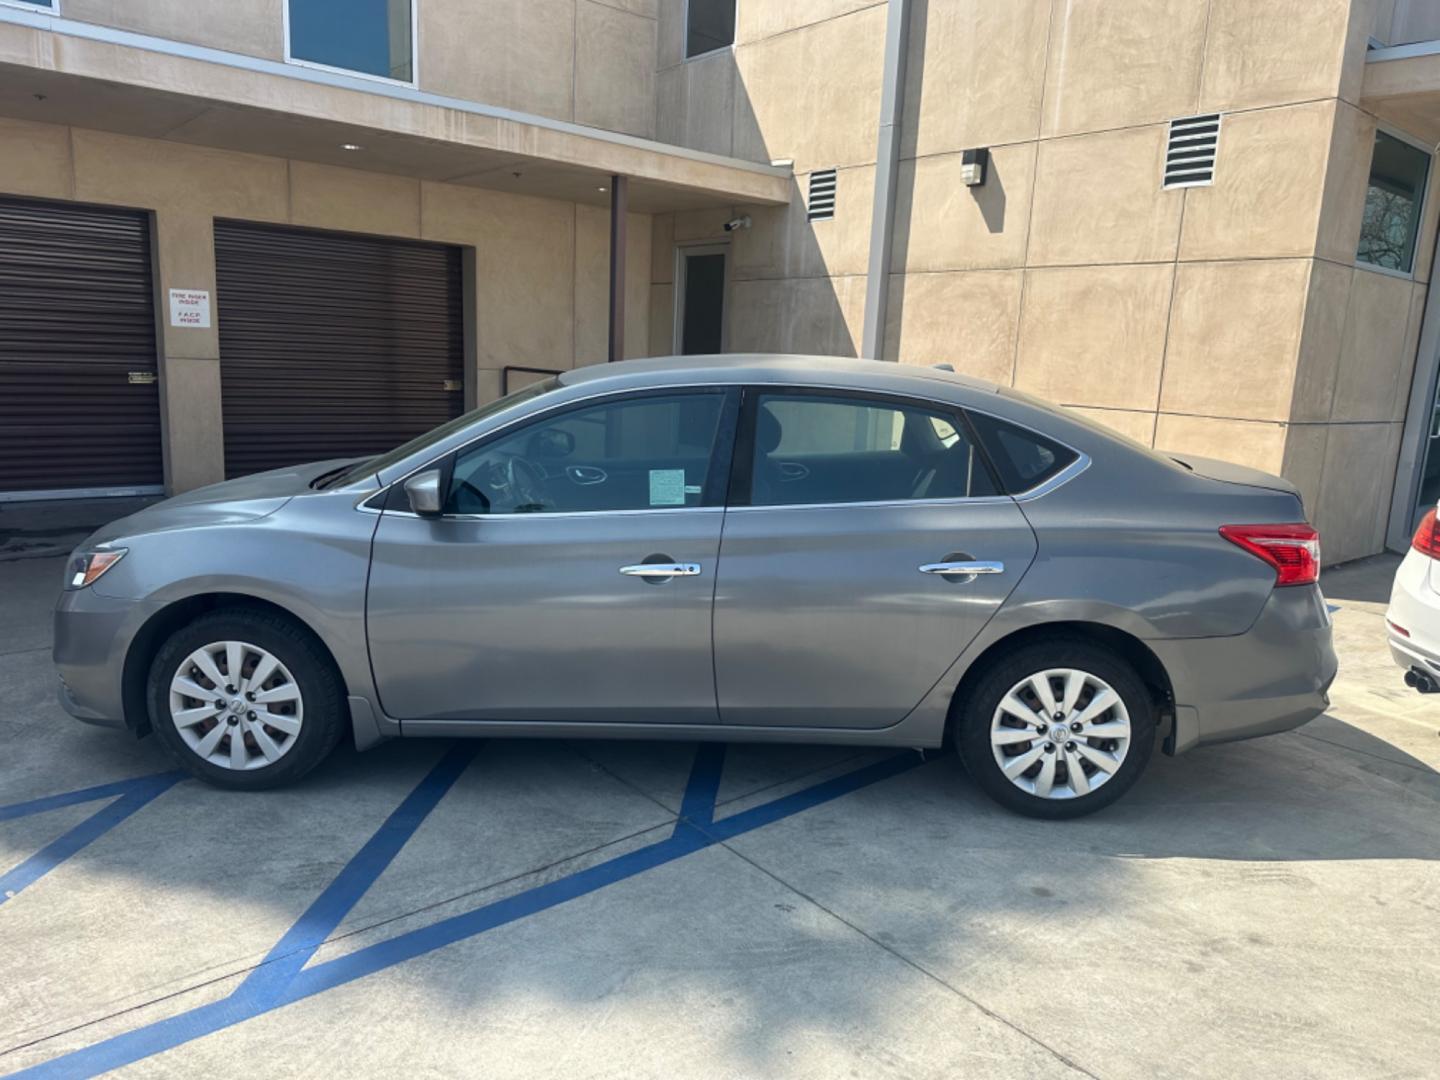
x=1060 y=733
x=236 y=705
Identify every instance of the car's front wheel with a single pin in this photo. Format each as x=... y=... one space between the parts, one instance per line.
x=245 y=699
x=1057 y=729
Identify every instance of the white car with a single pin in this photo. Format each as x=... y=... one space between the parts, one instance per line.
x=1413 y=619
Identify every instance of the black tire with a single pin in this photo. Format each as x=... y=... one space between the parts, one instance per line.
x=970 y=729
x=325 y=714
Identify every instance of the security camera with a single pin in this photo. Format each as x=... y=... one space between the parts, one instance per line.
x=737 y=223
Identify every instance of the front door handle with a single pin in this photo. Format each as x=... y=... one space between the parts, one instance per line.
x=963 y=569
x=662 y=570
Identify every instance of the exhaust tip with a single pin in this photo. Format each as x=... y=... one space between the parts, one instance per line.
x=1421 y=681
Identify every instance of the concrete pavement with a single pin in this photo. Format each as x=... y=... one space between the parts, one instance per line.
x=1270 y=907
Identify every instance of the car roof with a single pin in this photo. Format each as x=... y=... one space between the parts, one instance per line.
x=770 y=367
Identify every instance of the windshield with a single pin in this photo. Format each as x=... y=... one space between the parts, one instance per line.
x=435 y=435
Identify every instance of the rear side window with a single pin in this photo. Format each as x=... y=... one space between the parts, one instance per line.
x=1023 y=458
x=820 y=449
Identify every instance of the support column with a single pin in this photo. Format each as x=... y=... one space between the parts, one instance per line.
x=619 y=210
x=887 y=167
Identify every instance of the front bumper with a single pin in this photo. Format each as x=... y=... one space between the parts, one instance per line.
x=92 y=637
x=1274 y=677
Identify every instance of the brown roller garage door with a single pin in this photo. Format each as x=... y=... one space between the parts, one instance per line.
x=331 y=344
x=79 y=403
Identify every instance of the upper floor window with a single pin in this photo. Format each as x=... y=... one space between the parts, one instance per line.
x=709 y=25
x=33 y=3
x=1393 y=202
x=370 y=37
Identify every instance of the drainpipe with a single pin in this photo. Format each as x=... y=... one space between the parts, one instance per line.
x=887 y=167
x=619 y=208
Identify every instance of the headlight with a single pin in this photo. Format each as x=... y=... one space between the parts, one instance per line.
x=87 y=566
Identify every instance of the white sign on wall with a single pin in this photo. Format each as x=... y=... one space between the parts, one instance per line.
x=190 y=307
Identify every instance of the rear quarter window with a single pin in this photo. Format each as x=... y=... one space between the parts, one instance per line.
x=1024 y=459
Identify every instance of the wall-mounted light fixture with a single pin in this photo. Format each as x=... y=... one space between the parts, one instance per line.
x=974 y=164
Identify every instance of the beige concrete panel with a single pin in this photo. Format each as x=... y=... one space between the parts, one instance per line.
x=1409 y=352
x=1347 y=177
x=671 y=105
x=1113 y=65
x=637 y=285
x=524 y=271
x=1131 y=423
x=1355 y=488
x=662 y=320
x=1235 y=337
x=185 y=255
x=252 y=27
x=1372 y=358
x=518 y=54
x=940 y=224
x=1268 y=186
x=194 y=428
x=648 y=8
x=1327 y=300
x=1357 y=47
x=692 y=225
x=757 y=19
x=821 y=316
x=326 y=197
x=813 y=95
x=1094 y=335
x=662 y=248
x=150 y=173
x=782 y=242
x=35 y=159
x=1098 y=199
x=670 y=33
x=1257 y=443
x=1304 y=463
x=709 y=98
x=614 y=69
x=967 y=319
x=975 y=75
x=1273 y=53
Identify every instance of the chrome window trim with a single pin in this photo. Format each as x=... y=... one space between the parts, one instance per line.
x=1060 y=479
x=881 y=504
x=587 y=514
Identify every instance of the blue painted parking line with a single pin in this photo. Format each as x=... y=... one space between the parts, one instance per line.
x=257 y=996
x=133 y=794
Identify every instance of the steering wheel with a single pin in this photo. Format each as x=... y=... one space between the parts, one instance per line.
x=524 y=483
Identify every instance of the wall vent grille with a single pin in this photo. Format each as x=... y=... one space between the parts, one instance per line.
x=1190 y=155
x=822 y=195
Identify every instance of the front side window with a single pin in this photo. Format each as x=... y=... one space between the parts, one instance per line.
x=1391 y=222
x=815 y=448
x=372 y=37
x=709 y=25
x=654 y=452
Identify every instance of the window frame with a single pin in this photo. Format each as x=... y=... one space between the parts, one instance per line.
x=50 y=8
x=743 y=456
x=712 y=498
x=315 y=65
x=686 y=57
x=1422 y=208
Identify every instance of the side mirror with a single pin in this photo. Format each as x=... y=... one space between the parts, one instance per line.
x=424 y=491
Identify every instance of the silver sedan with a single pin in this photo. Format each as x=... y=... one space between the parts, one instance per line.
x=748 y=548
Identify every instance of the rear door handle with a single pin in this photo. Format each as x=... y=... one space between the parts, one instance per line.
x=963 y=569
x=662 y=570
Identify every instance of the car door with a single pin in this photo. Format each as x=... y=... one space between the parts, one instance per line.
x=839 y=602
x=571 y=574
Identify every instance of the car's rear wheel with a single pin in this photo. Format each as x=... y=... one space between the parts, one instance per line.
x=1057 y=729
x=245 y=699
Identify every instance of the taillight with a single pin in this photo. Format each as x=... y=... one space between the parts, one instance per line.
x=1427 y=536
x=1293 y=550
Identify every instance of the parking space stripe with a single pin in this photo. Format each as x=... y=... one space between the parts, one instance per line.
x=137 y=794
x=292 y=951
x=83 y=795
x=132 y=1046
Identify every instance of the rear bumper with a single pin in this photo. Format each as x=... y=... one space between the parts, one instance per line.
x=1415 y=605
x=1274 y=677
